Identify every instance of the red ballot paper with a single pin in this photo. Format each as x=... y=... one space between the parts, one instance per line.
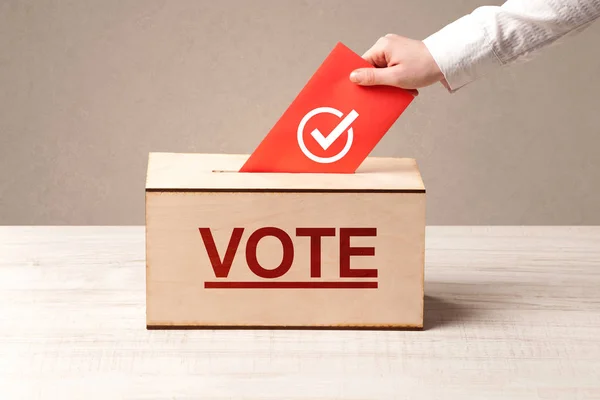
x=333 y=124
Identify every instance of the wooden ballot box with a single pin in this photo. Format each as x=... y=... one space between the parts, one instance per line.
x=231 y=249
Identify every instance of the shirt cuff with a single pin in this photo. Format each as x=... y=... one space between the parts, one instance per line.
x=462 y=51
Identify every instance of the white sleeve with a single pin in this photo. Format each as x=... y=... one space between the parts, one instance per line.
x=493 y=36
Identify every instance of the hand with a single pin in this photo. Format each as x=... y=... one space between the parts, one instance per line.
x=400 y=62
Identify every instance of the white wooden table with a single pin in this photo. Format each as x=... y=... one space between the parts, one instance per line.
x=510 y=313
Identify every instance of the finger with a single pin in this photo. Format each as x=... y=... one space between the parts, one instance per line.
x=374 y=76
x=376 y=55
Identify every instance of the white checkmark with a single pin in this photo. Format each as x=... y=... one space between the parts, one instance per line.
x=325 y=142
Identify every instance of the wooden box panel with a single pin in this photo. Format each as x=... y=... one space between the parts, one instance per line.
x=373 y=224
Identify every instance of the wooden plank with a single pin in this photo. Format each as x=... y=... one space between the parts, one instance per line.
x=168 y=171
x=184 y=291
x=510 y=312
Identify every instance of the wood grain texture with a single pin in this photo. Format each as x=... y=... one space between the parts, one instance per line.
x=178 y=264
x=219 y=171
x=510 y=313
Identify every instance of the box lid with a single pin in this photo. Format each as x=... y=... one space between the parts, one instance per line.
x=219 y=172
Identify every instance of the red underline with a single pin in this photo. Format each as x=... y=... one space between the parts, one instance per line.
x=290 y=285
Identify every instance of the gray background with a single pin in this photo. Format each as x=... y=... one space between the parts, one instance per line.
x=88 y=88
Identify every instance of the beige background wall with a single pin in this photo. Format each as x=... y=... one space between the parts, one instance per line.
x=88 y=88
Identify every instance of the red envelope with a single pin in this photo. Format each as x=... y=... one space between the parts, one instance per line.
x=333 y=124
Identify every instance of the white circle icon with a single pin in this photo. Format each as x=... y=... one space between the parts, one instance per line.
x=327 y=141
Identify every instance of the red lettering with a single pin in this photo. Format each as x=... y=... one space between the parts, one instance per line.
x=346 y=251
x=221 y=268
x=288 y=252
x=315 y=235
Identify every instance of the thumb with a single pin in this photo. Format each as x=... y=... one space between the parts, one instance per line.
x=374 y=76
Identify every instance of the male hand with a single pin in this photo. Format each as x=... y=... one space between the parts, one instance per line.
x=400 y=62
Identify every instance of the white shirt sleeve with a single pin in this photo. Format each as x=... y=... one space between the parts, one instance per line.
x=493 y=36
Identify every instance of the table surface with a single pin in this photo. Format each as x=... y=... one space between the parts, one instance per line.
x=510 y=313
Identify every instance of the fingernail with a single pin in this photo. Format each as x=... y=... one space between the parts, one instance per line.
x=355 y=76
